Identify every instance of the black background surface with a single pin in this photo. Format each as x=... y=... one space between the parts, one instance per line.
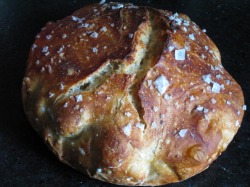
x=26 y=161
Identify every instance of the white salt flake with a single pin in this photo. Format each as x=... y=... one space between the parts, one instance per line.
x=82 y=151
x=167 y=97
x=182 y=132
x=203 y=56
x=237 y=123
x=238 y=112
x=140 y=126
x=228 y=103
x=102 y=2
x=78 y=98
x=37 y=62
x=178 y=21
x=127 y=114
x=213 y=100
x=161 y=84
x=205 y=110
x=184 y=29
x=218 y=76
x=130 y=35
x=103 y=29
x=211 y=51
x=216 y=87
x=64 y=36
x=180 y=54
x=244 y=107
x=186 y=22
x=191 y=98
x=155 y=109
x=127 y=129
x=48 y=37
x=99 y=170
x=154 y=124
x=94 y=35
x=95 y=50
x=207 y=78
x=200 y=108
x=51 y=94
x=45 y=49
x=118 y=6
x=60 y=50
x=222 y=86
x=206 y=47
x=171 y=48
x=204 y=30
x=228 y=82
x=191 y=36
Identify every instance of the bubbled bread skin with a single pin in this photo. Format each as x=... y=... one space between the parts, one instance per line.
x=105 y=89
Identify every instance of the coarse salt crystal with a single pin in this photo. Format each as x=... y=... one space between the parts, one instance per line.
x=155 y=109
x=51 y=94
x=154 y=125
x=211 y=51
x=228 y=82
x=45 y=49
x=207 y=78
x=78 y=98
x=218 y=76
x=130 y=35
x=184 y=29
x=178 y=21
x=60 y=49
x=238 y=112
x=186 y=22
x=203 y=56
x=64 y=36
x=237 y=123
x=127 y=129
x=244 y=107
x=167 y=97
x=94 y=35
x=216 y=87
x=228 y=103
x=191 y=36
x=95 y=50
x=182 y=132
x=140 y=126
x=191 y=98
x=118 y=6
x=204 y=30
x=199 y=108
x=127 y=114
x=99 y=170
x=82 y=151
x=161 y=84
x=171 y=48
x=180 y=54
x=205 y=110
x=102 y=2
x=103 y=29
x=206 y=47
x=213 y=100
x=48 y=37
x=37 y=62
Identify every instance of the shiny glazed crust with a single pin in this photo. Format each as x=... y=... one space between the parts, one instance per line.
x=131 y=95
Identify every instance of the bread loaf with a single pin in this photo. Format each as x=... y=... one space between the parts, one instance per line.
x=131 y=95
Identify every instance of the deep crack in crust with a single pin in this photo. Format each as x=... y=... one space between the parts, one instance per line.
x=90 y=91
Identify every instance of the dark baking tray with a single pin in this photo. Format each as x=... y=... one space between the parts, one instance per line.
x=25 y=160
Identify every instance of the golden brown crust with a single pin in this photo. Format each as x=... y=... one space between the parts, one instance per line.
x=110 y=91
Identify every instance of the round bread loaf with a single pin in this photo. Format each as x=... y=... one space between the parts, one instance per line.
x=131 y=95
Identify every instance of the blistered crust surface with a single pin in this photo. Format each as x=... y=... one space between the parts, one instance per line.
x=131 y=95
